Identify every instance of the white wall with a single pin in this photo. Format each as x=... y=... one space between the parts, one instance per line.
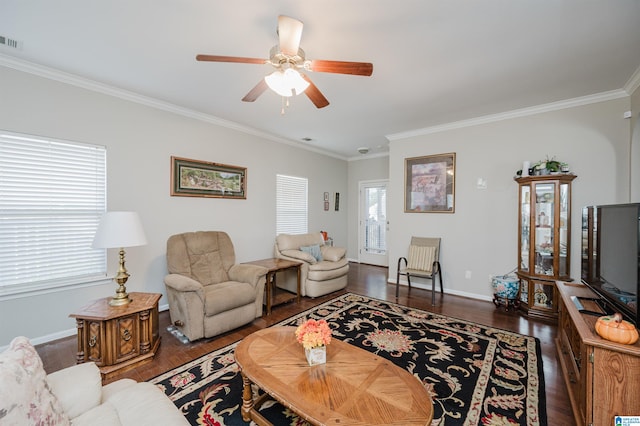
x=635 y=146
x=140 y=141
x=481 y=236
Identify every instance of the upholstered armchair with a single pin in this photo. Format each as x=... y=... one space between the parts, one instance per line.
x=208 y=292
x=324 y=268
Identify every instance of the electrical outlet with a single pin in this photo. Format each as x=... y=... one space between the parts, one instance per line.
x=467 y=275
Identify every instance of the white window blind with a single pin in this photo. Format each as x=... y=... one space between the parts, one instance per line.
x=52 y=195
x=291 y=205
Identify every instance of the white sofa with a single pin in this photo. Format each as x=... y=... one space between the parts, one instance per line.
x=321 y=274
x=75 y=395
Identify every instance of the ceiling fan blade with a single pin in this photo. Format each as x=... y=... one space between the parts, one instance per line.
x=314 y=94
x=289 y=34
x=341 y=67
x=256 y=91
x=216 y=58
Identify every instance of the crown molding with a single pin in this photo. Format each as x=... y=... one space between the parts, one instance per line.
x=85 y=83
x=492 y=118
x=53 y=74
x=633 y=83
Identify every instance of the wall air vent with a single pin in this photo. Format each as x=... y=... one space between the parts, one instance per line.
x=9 y=42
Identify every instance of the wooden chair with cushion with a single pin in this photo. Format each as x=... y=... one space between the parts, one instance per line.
x=424 y=262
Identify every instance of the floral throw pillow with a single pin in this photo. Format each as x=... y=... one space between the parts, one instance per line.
x=25 y=397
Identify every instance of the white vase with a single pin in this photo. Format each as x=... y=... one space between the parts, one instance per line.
x=317 y=355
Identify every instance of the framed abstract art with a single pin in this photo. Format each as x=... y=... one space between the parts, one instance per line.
x=430 y=184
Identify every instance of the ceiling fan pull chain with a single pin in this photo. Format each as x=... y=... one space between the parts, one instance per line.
x=285 y=104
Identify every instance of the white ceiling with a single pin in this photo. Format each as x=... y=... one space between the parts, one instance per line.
x=435 y=61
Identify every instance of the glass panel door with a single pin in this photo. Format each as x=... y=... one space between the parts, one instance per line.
x=543 y=238
x=373 y=223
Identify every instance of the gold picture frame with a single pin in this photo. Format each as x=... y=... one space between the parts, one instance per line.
x=430 y=184
x=194 y=178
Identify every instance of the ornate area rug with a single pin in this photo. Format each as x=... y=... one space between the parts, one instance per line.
x=477 y=375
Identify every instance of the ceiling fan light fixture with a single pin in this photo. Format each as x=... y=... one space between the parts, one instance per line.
x=287 y=57
x=286 y=83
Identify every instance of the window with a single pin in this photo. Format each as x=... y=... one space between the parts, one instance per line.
x=52 y=195
x=291 y=205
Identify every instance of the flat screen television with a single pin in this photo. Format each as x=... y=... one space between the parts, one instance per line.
x=611 y=257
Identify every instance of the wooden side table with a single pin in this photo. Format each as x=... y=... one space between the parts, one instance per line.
x=275 y=265
x=118 y=337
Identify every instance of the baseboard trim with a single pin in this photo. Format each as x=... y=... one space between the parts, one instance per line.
x=65 y=333
x=403 y=282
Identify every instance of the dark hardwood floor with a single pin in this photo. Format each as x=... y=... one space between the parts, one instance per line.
x=366 y=280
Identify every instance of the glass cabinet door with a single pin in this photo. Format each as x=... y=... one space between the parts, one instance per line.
x=544 y=239
x=525 y=215
x=543 y=292
x=563 y=233
x=544 y=223
x=524 y=291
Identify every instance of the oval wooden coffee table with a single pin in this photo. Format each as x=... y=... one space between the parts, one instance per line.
x=354 y=387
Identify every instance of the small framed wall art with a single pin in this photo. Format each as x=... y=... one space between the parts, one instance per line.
x=430 y=184
x=193 y=178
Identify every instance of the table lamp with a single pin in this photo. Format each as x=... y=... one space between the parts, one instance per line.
x=119 y=230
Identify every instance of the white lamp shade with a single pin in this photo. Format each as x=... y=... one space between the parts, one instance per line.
x=287 y=83
x=118 y=230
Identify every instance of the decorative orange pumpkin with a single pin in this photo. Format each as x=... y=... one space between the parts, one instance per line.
x=614 y=328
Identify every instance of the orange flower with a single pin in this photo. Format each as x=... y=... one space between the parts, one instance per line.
x=313 y=334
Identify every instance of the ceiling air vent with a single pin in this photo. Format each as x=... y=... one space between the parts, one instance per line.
x=9 y=42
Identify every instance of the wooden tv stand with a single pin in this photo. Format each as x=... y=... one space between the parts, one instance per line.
x=602 y=377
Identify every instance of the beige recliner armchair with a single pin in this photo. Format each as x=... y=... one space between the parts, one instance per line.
x=208 y=292
x=324 y=268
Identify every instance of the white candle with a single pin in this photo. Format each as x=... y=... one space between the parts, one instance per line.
x=525 y=168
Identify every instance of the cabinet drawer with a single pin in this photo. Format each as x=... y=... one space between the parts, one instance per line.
x=572 y=360
x=574 y=379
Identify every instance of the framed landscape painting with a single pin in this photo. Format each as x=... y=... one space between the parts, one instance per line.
x=193 y=178
x=430 y=184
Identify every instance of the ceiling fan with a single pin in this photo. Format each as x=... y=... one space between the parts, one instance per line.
x=289 y=60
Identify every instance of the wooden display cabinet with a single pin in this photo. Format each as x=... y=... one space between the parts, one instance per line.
x=544 y=241
x=602 y=377
x=118 y=337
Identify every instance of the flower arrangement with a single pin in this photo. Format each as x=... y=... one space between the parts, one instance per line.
x=313 y=334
